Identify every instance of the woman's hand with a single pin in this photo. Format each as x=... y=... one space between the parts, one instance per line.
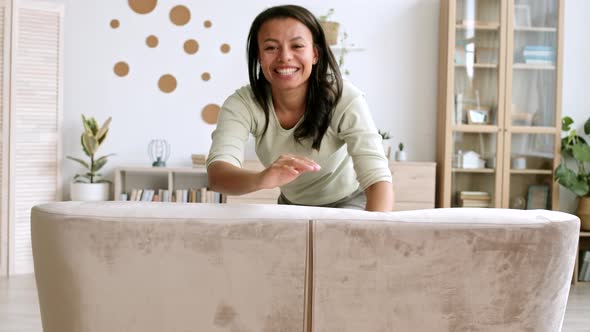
x=285 y=169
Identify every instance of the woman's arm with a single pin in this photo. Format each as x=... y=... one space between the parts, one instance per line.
x=379 y=197
x=231 y=180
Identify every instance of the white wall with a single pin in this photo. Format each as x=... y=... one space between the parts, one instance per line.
x=397 y=70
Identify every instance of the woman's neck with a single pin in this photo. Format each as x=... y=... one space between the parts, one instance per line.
x=289 y=106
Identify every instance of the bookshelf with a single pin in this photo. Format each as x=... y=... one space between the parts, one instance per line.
x=583 y=244
x=413 y=183
x=500 y=102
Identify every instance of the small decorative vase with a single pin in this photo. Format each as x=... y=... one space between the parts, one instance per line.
x=400 y=156
x=89 y=191
x=387 y=150
x=583 y=212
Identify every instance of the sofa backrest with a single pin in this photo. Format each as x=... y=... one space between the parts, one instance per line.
x=137 y=266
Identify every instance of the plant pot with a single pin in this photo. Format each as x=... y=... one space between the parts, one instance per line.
x=89 y=191
x=583 y=212
x=331 y=31
x=400 y=156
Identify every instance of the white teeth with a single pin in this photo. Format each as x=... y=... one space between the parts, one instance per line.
x=286 y=71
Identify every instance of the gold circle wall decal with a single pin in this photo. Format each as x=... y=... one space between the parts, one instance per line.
x=121 y=69
x=207 y=24
x=210 y=113
x=205 y=76
x=114 y=23
x=142 y=6
x=180 y=15
x=167 y=83
x=225 y=48
x=191 y=46
x=151 y=41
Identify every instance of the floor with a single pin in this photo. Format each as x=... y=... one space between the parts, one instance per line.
x=19 y=308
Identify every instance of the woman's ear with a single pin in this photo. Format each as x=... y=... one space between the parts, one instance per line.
x=315 y=54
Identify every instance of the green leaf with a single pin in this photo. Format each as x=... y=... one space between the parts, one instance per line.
x=102 y=132
x=98 y=165
x=102 y=138
x=103 y=181
x=566 y=122
x=581 y=152
x=568 y=178
x=89 y=143
x=82 y=162
x=587 y=127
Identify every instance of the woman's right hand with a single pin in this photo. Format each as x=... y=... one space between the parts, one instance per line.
x=286 y=169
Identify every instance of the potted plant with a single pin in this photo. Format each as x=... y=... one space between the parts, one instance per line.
x=575 y=176
x=330 y=27
x=400 y=154
x=89 y=185
x=385 y=136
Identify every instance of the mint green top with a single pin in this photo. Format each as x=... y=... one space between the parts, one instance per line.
x=351 y=153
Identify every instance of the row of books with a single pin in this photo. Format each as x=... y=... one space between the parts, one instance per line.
x=474 y=199
x=200 y=195
x=584 y=273
x=199 y=160
x=538 y=54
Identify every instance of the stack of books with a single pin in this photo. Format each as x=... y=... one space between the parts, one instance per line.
x=584 y=274
x=199 y=160
x=539 y=55
x=474 y=199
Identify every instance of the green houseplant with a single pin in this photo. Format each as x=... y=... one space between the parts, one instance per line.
x=90 y=185
x=400 y=154
x=385 y=136
x=330 y=28
x=574 y=170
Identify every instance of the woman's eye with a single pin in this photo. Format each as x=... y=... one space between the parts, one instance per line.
x=298 y=46
x=270 y=48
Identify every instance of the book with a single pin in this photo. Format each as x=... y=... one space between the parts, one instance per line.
x=584 y=273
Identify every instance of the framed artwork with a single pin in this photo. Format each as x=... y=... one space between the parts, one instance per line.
x=538 y=197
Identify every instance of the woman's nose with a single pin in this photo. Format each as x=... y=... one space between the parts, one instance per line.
x=285 y=55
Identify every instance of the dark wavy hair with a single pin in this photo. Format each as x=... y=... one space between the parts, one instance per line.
x=325 y=82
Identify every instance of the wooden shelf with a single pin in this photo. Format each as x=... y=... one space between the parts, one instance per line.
x=484 y=27
x=469 y=128
x=474 y=170
x=528 y=66
x=535 y=29
x=531 y=171
x=479 y=65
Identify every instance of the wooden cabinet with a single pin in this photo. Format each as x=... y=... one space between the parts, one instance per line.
x=413 y=183
x=499 y=117
x=31 y=85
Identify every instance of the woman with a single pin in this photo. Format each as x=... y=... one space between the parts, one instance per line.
x=314 y=133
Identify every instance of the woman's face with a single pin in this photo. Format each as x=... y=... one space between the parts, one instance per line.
x=286 y=53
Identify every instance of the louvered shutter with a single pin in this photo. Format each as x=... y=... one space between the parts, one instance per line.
x=35 y=120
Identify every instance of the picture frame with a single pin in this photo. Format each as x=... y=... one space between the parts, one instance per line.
x=537 y=197
x=478 y=116
x=522 y=15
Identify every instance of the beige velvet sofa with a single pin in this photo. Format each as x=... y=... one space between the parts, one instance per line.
x=133 y=266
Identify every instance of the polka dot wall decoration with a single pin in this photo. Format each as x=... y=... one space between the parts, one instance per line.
x=179 y=17
x=210 y=113
x=121 y=69
x=142 y=6
x=191 y=46
x=167 y=83
x=151 y=41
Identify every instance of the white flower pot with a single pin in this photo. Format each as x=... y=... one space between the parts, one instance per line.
x=400 y=156
x=89 y=191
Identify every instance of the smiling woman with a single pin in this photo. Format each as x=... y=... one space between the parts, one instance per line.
x=314 y=134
